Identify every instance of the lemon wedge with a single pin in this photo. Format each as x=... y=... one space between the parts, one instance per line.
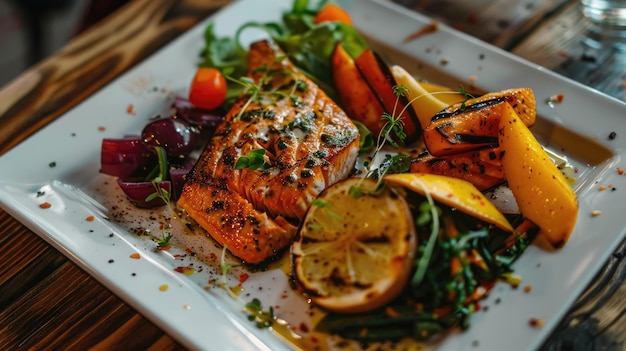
x=354 y=253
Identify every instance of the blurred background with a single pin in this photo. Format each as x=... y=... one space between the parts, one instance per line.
x=33 y=29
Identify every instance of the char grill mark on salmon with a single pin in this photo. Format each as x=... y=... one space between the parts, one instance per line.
x=309 y=144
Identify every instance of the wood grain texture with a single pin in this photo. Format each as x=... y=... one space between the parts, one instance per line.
x=47 y=302
x=91 y=60
x=570 y=45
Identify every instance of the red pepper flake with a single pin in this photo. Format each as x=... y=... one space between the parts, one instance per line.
x=90 y=218
x=304 y=327
x=135 y=256
x=620 y=171
x=45 y=205
x=602 y=188
x=130 y=109
x=556 y=99
x=528 y=288
x=427 y=29
x=101 y=129
x=536 y=323
x=243 y=277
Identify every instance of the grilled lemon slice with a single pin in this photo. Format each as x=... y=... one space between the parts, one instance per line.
x=354 y=253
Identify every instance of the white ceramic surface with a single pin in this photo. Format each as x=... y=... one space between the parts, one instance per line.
x=60 y=165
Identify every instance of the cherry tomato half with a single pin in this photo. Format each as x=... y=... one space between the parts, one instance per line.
x=208 y=88
x=332 y=13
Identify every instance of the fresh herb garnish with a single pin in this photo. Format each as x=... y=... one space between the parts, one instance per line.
x=327 y=206
x=308 y=45
x=254 y=161
x=391 y=133
x=224 y=269
x=366 y=139
x=455 y=257
x=467 y=96
x=428 y=211
x=399 y=163
x=165 y=241
x=162 y=170
x=262 y=319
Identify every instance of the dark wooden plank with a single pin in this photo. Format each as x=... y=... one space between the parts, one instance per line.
x=68 y=309
x=47 y=302
x=91 y=60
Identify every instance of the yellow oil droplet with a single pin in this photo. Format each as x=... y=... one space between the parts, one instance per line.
x=163 y=287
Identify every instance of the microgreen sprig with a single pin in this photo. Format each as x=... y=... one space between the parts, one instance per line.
x=255 y=160
x=163 y=174
x=224 y=269
x=391 y=133
x=165 y=241
x=327 y=206
x=263 y=319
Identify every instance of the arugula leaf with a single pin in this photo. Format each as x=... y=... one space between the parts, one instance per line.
x=308 y=45
x=366 y=138
x=400 y=163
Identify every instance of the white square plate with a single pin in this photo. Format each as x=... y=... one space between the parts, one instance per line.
x=60 y=165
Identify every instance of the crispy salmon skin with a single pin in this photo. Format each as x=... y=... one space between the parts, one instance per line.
x=277 y=149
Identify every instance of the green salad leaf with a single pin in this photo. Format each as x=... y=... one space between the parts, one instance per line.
x=308 y=45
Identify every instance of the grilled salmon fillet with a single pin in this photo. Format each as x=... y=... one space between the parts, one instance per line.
x=281 y=144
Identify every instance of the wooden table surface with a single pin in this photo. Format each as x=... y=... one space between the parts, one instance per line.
x=39 y=309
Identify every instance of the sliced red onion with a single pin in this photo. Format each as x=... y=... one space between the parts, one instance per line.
x=126 y=157
x=138 y=192
x=197 y=116
x=175 y=135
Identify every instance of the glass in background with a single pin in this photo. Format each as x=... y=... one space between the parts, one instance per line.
x=607 y=16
